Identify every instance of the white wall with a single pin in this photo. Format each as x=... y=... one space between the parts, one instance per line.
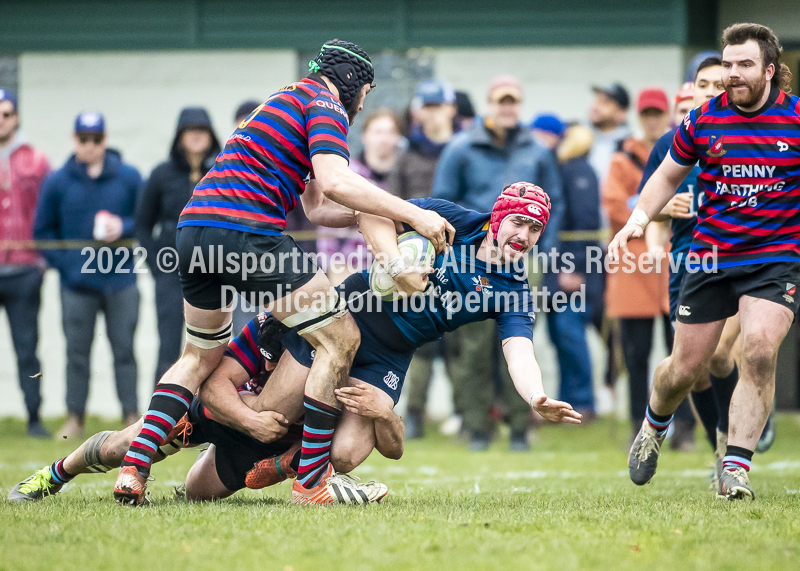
x=141 y=94
x=559 y=79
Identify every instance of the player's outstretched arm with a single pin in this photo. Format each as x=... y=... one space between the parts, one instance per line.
x=527 y=377
x=323 y=211
x=341 y=185
x=365 y=400
x=219 y=395
x=655 y=195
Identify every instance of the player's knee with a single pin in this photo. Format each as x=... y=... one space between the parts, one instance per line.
x=686 y=372
x=721 y=363
x=345 y=457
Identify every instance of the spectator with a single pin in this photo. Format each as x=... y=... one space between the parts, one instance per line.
x=380 y=136
x=22 y=170
x=637 y=297
x=412 y=177
x=567 y=328
x=684 y=102
x=473 y=169
x=608 y=116
x=547 y=130
x=167 y=191
x=465 y=112
x=93 y=196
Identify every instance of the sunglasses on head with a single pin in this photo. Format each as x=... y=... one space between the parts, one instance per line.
x=95 y=138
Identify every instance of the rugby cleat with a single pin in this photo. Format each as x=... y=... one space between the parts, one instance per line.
x=735 y=485
x=130 y=487
x=272 y=471
x=336 y=488
x=34 y=488
x=643 y=457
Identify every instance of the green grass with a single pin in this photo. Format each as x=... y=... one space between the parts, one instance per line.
x=566 y=505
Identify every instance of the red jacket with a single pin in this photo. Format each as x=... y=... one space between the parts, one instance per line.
x=22 y=170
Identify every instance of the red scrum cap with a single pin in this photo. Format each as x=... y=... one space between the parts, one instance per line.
x=521 y=199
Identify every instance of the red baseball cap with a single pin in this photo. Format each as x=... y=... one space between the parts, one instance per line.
x=652 y=98
x=505 y=86
x=685 y=92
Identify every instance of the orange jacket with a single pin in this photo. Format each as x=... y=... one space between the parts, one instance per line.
x=637 y=293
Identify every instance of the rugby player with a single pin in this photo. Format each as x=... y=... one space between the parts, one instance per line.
x=267 y=454
x=487 y=245
x=291 y=147
x=749 y=228
x=474 y=280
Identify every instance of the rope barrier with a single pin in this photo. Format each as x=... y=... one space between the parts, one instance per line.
x=300 y=235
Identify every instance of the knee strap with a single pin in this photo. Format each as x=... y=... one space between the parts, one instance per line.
x=315 y=318
x=92 y=453
x=209 y=338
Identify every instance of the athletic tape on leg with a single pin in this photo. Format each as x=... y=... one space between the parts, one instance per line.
x=315 y=318
x=92 y=453
x=209 y=338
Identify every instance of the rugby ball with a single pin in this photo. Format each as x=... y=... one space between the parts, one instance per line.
x=415 y=249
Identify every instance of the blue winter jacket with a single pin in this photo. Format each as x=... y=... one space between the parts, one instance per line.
x=68 y=202
x=473 y=170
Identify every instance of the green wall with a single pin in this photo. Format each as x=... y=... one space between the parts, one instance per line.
x=46 y=25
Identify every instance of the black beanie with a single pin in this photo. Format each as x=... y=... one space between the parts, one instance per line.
x=347 y=66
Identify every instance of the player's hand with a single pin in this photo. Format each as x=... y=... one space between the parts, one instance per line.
x=435 y=228
x=365 y=400
x=412 y=280
x=630 y=231
x=679 y=206
x=555 y=410
x=268 y=426
x=570 y=282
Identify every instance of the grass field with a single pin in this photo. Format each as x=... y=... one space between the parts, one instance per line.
x=566 y=505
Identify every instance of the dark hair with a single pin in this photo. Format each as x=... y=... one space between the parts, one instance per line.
x=383 y=112
x=769 y=45
x=708 y=62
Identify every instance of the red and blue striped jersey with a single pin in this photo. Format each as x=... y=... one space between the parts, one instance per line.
x=261 y=173
x=750 y=176
x=244 y=349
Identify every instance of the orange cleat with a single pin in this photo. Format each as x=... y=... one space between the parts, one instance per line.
x=272 y=471
x=339 y=489
x=130 y=487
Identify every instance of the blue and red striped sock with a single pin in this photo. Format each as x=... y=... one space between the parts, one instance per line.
x=167 y=407
x=315 y=454
x=737 y=457
x=659 y=422
x=58 y=475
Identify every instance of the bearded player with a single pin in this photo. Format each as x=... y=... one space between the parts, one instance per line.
x=749 y=228
x=238 y=212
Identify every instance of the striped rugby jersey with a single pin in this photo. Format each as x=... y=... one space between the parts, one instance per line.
x=244 y=348
x=261 y=173
x=751 y=178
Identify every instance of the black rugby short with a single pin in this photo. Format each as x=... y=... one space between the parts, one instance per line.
x=713 y=296
x=236 y=452
x=207 y=258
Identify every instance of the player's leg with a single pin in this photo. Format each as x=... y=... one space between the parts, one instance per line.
x=353 y=442
x=723 y=375
x=203 y=484
x=674 y=378
x=319 y=316
x=98 y=454
x=764 y=325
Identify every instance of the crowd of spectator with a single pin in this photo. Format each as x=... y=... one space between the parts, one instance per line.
x=438 y=147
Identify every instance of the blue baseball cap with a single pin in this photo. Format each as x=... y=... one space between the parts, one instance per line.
x=548 y=122
x=8 y=95
x=90 y=122
x=434 y=92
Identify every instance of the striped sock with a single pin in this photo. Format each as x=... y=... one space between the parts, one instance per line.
x=58 y=475
x=315 y=454
x=659 y=422
x=737 y=457
x=168 y=405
